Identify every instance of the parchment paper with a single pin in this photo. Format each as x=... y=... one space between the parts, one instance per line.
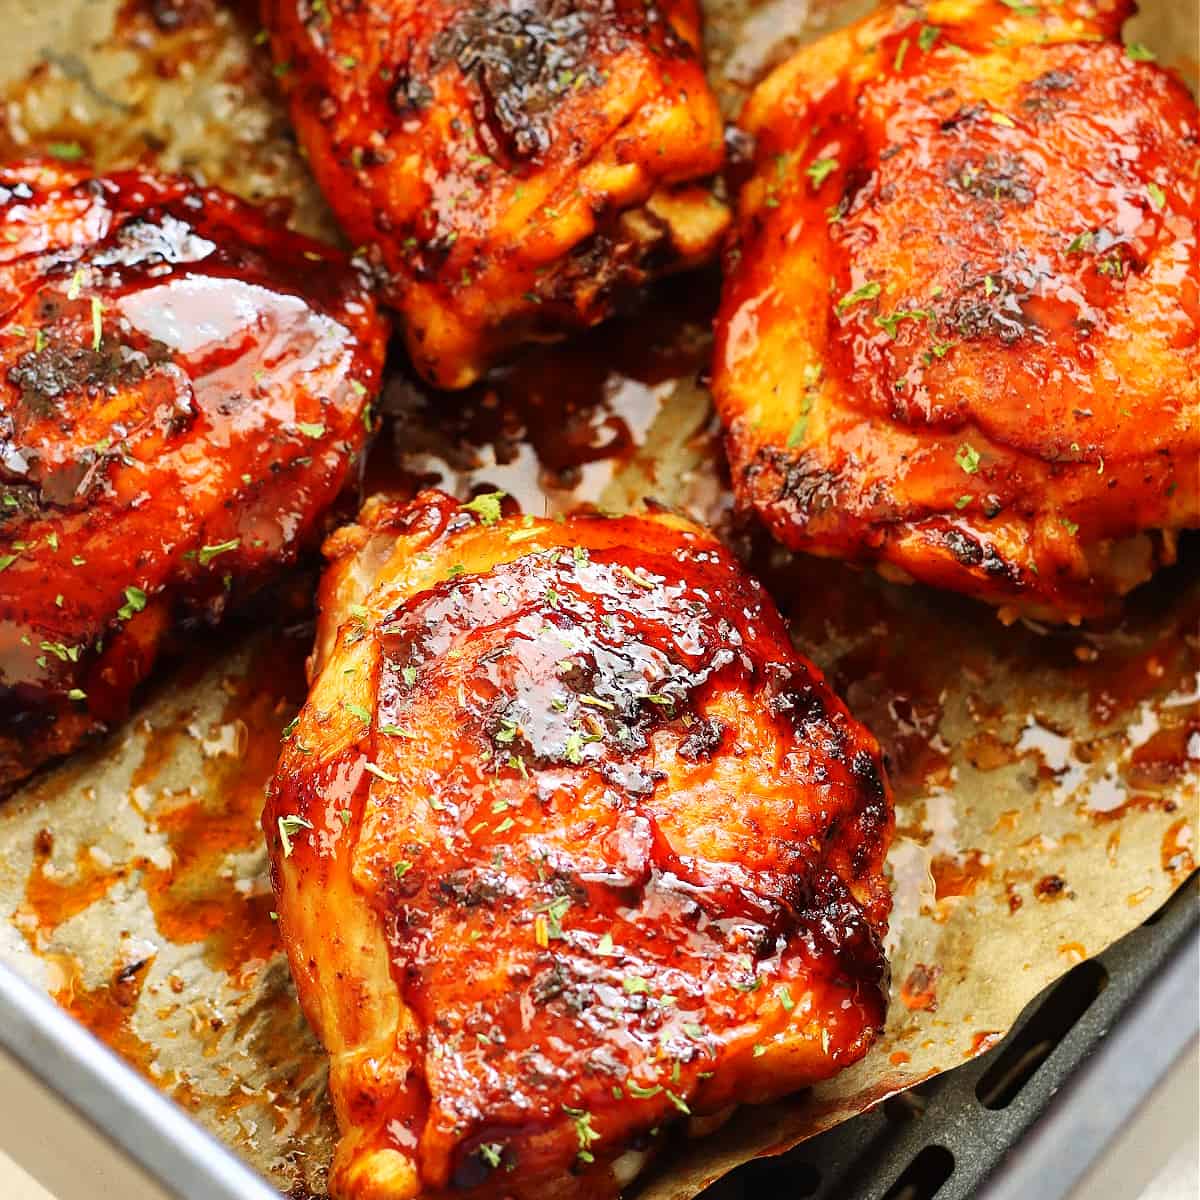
x=1047 y=781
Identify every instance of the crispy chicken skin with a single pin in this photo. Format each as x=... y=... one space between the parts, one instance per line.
x=182 y=394
x=567 y=841
x=959 y=330
x=512 y=168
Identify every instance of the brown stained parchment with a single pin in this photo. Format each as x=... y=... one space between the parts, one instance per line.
x=1047 y=782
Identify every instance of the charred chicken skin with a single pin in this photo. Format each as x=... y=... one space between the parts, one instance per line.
x=182 y=394
x=513 y=169
x=960 y=332
x=568 y=842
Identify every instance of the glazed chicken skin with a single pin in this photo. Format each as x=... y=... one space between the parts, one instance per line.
x=182 y=395
x=568 y=842
x=960 y=330
x=512 y=169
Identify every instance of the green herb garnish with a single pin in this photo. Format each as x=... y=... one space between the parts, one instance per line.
x=289 y=826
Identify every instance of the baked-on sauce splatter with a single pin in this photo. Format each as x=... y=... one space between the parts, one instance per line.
x=1178 y=849
x=959 y=875
x=51 y=900
x=195 y=897
x=983 y=1041
x=193 y=901
x=918 y=992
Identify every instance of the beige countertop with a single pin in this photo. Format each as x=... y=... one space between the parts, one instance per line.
x=47 y=1152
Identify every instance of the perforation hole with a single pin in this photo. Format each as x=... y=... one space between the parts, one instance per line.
x=1019 y=1061
x=777 y=1176
x=922 y=1179
x=794 y=1180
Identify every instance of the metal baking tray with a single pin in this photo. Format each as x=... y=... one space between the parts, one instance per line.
x=1025 y=1120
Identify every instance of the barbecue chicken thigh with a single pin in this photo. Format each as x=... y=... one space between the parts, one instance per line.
x=182 y=394
x=568 y=842
x=512 y=168
x=959 y=331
